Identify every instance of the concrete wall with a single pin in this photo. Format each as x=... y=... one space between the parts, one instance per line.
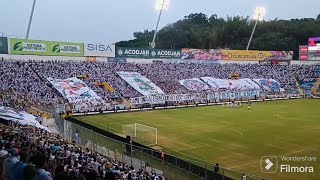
x=297 y=62
x=41 y=58
x=135 y=60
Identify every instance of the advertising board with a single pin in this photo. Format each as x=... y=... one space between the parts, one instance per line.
x=234 y=55
x=99 y=50
x=3 y=45
x=45 y=48
x=314 y=41
x=147 y=53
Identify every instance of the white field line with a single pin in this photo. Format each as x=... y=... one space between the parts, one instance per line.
x=236 y=131
x=282 y=117
x=108 y=127
x=188 y=142
x=186 y=149
x=193 y=157
x=200 y=160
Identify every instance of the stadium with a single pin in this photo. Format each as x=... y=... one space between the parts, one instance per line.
x=203 y=98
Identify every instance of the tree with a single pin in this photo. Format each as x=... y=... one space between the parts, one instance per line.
x=198 y=31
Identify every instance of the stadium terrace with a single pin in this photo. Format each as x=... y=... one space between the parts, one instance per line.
x=78 y=110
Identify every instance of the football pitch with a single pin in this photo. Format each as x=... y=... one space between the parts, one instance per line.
x=236 y=138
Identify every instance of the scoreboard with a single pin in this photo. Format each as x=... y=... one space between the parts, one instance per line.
x=311 y=51
x=314 y=41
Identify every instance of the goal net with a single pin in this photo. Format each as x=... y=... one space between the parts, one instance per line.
x=141 y=133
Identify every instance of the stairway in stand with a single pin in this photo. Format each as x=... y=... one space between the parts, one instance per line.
x=298 y=86
x=315 y=88
x=126 y=103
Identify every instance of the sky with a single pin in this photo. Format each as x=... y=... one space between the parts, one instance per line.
x=109 y=21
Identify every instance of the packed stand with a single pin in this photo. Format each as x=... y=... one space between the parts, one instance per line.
x=309 y=74
x=20 y=86
x=27 y=81
x=27 y=153
x=97 y=72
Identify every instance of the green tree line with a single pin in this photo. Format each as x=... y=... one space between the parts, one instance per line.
x=197 y=30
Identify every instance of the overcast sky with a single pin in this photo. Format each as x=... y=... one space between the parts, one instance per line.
x=109 y=21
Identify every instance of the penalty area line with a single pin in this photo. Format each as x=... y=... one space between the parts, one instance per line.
x=186 y=149
x=282 y=117
x=240 y=133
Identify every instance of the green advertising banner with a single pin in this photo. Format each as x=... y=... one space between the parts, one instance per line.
x=45 y=48
x=3 y=45
x=133 y=52
x=165 y=53
x=147 y=53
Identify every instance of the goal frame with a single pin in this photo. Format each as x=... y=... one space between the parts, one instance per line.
x=142 y=125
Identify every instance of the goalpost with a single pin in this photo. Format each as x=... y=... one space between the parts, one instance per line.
x=141 y=133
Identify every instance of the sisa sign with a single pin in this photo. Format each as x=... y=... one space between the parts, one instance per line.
x=99 y=50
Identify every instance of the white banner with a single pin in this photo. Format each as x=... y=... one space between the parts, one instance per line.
x=212 y=96
x=76 y=91
x=21 y=117
x=240 y=84
x=99 y=50
x=268 y=84
x=194 y=84
x=140 y=83
x=314 y=48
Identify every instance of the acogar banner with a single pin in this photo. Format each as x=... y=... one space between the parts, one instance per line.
x=45 y=48
x=146 y=53
x=133 y=52
x=165 y=53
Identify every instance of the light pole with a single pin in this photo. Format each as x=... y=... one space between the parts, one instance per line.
x=160 y=5
x=30 y=19
x=258 y=15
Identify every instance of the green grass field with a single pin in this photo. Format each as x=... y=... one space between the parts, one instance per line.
x=236 y=138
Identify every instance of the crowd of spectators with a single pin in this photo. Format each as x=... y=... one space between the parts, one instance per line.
x=27 y=81
x=34 y=154
x=28 y=153
x=20 y=86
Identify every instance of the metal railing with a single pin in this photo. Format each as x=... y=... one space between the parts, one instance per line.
x=142 y=157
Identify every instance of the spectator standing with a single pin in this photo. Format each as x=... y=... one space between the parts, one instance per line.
x=40 y=162
x=20 y=165
x=9 y=164
x=216 y=169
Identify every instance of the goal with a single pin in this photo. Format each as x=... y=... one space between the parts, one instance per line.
x=141 y=133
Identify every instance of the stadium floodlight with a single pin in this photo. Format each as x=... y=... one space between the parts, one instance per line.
x=161 y=5
x=258 y=15
x=30 y=19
